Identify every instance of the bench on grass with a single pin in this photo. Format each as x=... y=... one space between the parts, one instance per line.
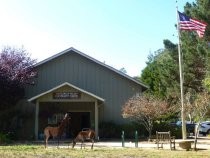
x=164 y=138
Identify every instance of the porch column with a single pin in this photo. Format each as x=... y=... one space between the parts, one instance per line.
x=36 y=128
x=96 y=118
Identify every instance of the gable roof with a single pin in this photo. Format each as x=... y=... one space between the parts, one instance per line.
x=70 y=85
x=92 y=59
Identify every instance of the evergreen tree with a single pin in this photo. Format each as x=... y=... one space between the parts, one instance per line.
x=162 y=71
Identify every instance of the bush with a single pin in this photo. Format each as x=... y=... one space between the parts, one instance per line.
x=112 y=130
x=109 y=130
x=165 y=126
x=130 y=129
x=4 y=138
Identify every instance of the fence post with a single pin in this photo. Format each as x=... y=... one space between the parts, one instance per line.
x=136 y=139
x=123 y=139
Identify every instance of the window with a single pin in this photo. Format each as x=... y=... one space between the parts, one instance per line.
x=56 y=118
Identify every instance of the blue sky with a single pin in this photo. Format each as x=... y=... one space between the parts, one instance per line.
x=120 y=33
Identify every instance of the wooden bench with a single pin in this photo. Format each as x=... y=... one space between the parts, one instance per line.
x=163 y=138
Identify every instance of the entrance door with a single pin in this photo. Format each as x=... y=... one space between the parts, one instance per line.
x=85 y=120
x=79 y=120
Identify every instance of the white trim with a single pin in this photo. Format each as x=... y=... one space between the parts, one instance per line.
x=36 y=125
x=92 y=59
x=70 y=85
x=96 y=118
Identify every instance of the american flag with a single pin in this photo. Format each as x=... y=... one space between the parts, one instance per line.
x=187 y=23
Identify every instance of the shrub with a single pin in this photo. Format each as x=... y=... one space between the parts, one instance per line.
x=165 y=126
x=113 y=130
x=4 y=138
x=130 y=129
x=109 y=130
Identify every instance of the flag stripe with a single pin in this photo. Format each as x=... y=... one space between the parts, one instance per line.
x=187 y=23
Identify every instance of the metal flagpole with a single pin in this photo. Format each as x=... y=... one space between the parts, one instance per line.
x=184 y=135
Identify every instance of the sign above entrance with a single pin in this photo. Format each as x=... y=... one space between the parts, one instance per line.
x=66 y=95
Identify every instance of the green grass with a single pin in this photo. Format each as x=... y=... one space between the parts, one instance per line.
x=38 y=151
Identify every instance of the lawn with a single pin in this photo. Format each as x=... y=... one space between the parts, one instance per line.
x=38 y=151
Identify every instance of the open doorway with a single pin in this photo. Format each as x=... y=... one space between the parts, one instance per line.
x=79 y=120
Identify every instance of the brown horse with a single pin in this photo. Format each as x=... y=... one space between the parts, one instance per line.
x=84 y=135
x=56 y=131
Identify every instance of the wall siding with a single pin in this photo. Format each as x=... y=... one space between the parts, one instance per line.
x=90 y=76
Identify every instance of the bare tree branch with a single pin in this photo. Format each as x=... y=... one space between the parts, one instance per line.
x=145 y=109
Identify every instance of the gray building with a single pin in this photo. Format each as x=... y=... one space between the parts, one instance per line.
x=73 y=82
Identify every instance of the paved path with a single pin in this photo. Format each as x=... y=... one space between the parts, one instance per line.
x=202 y=144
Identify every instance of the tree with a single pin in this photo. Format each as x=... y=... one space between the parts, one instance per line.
x=195 y=54
x=16 y=70
x=206 y=82
x=197 y=105
x=200 y=10
x=199 y=47
x=123 y=70
x=162 y=71
x=145 y=109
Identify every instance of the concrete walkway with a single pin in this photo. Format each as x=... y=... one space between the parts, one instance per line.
x=202 y=144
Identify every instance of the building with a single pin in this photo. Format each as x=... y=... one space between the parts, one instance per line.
x=88 y=89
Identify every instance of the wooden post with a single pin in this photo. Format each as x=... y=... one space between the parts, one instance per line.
x=36 y=128
x=96 y=118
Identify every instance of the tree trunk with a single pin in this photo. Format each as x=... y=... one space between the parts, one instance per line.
x=150 y=134
x=196 y=136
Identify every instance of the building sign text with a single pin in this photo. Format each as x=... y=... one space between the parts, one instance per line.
x=66 y=95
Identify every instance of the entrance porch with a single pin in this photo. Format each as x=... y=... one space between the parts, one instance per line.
x=83 y=107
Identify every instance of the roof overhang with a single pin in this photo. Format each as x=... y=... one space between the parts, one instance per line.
x=66 y=84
